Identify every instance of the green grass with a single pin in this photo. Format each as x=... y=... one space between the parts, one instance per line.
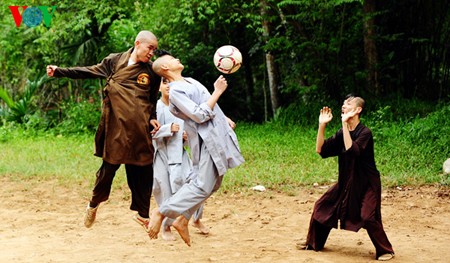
x=280 y=157
x=42 y=157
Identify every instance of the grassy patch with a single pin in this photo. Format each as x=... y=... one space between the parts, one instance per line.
x=280 y=157
x=69 y=160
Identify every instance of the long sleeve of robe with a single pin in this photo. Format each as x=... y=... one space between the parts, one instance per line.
x=357 y=173
x=130 y=95
x=188 y=102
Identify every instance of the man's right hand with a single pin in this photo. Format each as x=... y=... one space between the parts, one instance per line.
x=51 y=70
x=325 y=115
x=220 y=84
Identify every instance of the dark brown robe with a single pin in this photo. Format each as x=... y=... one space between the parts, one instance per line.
x=130 y=95
x=357 y=173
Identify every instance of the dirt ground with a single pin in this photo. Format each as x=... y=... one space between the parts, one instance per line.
x=43 y=222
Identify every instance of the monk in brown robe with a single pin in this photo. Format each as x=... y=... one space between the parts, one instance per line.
x=123 y=135
x=355 y=200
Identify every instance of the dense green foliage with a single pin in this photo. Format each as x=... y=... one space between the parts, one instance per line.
x=321 y=50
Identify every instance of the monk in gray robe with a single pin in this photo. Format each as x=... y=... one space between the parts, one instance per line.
x=212 y=141
x=172 y=166
x=128 y=112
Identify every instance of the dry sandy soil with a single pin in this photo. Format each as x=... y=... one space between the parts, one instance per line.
x=43 y=222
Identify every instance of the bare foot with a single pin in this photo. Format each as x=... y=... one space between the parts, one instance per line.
x=167 y=235
x=181 y=225
x=302 y=245
x=200 y=226
x=154 y=226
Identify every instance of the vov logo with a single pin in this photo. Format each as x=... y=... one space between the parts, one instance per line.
x=32 y=16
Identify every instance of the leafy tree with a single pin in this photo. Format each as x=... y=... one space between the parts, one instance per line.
x=298 y=54
x=193 y=30
x=21 y=105
x=413 y=42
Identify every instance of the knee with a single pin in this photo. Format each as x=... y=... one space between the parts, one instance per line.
x=369 y=222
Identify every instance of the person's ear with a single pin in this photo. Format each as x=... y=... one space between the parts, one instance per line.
x=358 y=110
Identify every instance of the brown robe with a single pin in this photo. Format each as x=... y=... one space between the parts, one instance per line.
x=357 y=173
x=130 y=96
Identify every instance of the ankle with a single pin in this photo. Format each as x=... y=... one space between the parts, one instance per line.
x=143 y=216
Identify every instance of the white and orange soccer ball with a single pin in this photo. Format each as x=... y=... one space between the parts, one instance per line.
x=227 y=59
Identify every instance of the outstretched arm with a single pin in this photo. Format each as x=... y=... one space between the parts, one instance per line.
x=51 y=70
x=101 y=70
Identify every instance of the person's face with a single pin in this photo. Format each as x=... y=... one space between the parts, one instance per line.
x=145 y=49
x=164 y=88
x=174 y=63
x=348 y=105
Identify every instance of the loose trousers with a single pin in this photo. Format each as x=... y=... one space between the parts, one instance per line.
x=318 y=233
x=140 y=182
x=188 y=199
x=164 y=186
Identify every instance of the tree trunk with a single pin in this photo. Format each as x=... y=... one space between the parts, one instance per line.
x=370 y=48
x=272 y=72
x=273 y=82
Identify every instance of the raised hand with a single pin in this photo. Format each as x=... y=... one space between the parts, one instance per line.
x=325 y=115
x=220 y=84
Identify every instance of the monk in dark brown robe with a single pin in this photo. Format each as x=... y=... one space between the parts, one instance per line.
x=128 y=112
x=355 y=200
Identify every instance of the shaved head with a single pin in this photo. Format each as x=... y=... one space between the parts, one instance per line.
x=145 y=46
x=359 y=102
x=159 y=63
x=145 y=36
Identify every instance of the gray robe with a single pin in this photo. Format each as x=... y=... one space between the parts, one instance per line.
x=188 y=102
x=172 y=166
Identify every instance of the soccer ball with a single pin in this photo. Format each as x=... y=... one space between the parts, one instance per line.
x=227 y=59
